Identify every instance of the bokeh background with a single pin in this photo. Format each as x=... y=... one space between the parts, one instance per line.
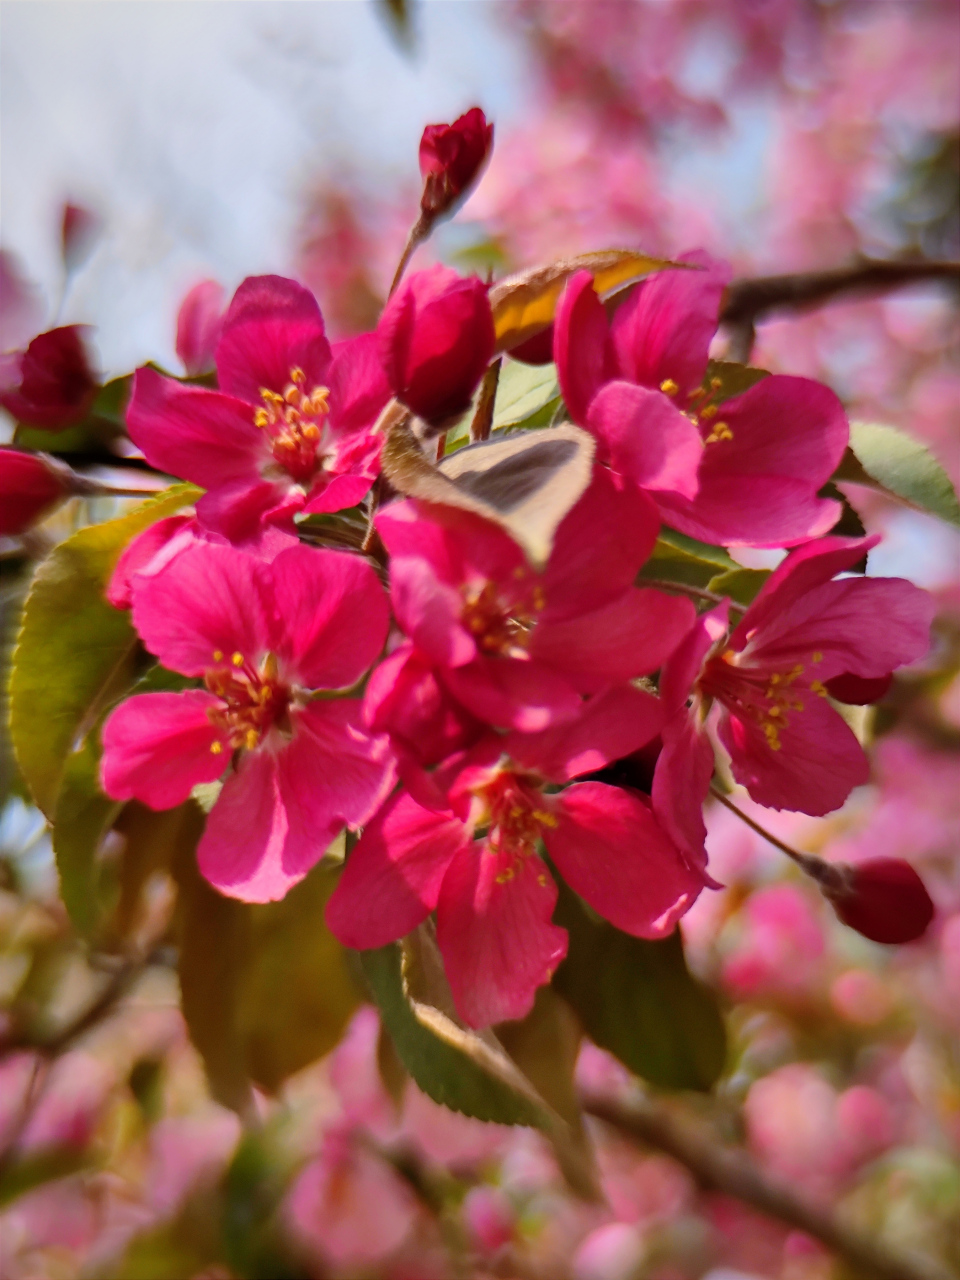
x=227 y=139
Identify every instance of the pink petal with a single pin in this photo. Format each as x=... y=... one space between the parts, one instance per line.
x=392 y=877
x=237 y=510
x=610 y=726
x=683 y=667
x=610 y=849
x=581 y=344
x=157 y=747
x=681 y=782
x=513 y=693
x=494 y=931
x=819 y=762
x=241 y=851
x=198 y=326
x=429 y=610
x=209 y=600
x=358 y=384
x=646 y=437
x=751 y=511
x=338 y=494
x=202 y=436
x=600 y=546
x=272 y=326
x=630 y=637
x=664 y=330
x=139 y=553
x=333 y=615
x=405 y=699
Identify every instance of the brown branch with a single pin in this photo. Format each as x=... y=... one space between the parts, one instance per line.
x=734 y=1173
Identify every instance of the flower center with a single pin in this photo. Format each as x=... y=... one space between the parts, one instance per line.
x=252 y=700
x=501 y=621
x=295 y=424
x=510 y=808
x=767 y=698
x=702 y=409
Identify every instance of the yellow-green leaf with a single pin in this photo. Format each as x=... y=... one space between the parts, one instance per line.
x=896 y=464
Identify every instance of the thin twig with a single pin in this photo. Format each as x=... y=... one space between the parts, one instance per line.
x=418 y=233
x=699 y=593
x=483 y=414
x=734 y=1173
x=823 y=872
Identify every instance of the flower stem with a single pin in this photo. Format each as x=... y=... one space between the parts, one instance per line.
x=418 y=233
x=698 y=593
x=825 y=873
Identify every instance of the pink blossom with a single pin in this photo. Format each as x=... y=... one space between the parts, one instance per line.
x=29 y=487
x=781 y=949
x=490 y=1218
x=515 y=647
x=746 y=471
x=436 y=339
x=767 y=682
x=472 y=857
x=53 y=384
x=288 y=430
x=262 y=636
x=199 y=323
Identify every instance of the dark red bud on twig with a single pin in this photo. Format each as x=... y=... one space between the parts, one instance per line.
x=451 y=157
x=884 y=899
x=30 y=483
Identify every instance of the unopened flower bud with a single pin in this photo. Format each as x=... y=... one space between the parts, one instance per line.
x=858 y=691
x=436 y=339
x=451 y=157
x=79 y=231
x=29 y=484
x=199 y=322
x=56 y=385
x=884 y=899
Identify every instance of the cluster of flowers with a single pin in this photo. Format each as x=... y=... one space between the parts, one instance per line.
x=466 y=724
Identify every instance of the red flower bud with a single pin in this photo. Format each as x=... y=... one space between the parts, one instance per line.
x=56 y=385
x=536 y=350
x=858 y=690
x=884 y=899
x=199 y=322
x=28 y=486
x=436 y=339
x=451 y=157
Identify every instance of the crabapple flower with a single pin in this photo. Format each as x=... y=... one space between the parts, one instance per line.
x=29 y=486
x=199 y=322
x=451 y=157
x=288 y=430
x=50 y=385
x=515 y=647
x=472 y=856
x=768 y=682
x=884 y=899
x=436 y=339
x=263 y=637
x=742 y=472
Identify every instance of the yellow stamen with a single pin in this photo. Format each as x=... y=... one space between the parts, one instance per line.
x=218 y=655
x=216 y=747
x=669 y=387
x=237 y=659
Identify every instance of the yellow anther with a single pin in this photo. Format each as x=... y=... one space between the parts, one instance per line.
x=297 y=375
x=716 y=384
x=818 y=656
x=218 y=655
x=261 y=418
x=547 y=819
x=669 y=387
x=505 y=876
x=539 y=599
x=236 y=659
x=775 y=678
x=251 y=739
x=721 y=431
x=542 y=881
x=774 y=711
x=318 y=401
x=818 y=687
x=519 y=571
x=516 y=812
x=291 y=394
x=709 y=411
x=311 y=432
x=216 y=748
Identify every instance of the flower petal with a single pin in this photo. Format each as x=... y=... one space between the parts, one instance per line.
x=209 y=600
x=238 y=509
x=202 y=436
x=339 y=493
x=683 y=666
x=157 y=747
x=513 y=693
x=392 y=877
x=333 y=613
x=681 y=781
x=241 y=850
x=581 y=345
x=494 y=931
x=646 y=437
x=750 y=510
x=429 y=610
x=272 y=326
x=610 y=849
x=358 y=384
x=404 y=698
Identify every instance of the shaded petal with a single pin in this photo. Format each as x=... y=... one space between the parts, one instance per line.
x=210 y=599
x=333 y=615
x=630 y=637
x=358 y=384
x=513 y=693
x=428 y=610
x=157 y=747
x=664 y=329
x=392 y=877
x=494 y=931
x=404 y=698
x=237 y=509
x=271 y=326
x=336 y=771
x=241 y=851
x=202 y=436
x=139 y=554
x=683 y=667
x=581 y=345
x=751 y=511
x=819 y=762
x=338 y=493
x=610 y=726
x=646 y=437
x=600 y=546
x=610 y=849
x=681 y=781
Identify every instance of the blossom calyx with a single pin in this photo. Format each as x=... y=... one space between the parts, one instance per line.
x=436 y=338
x=451 y=157
x=884 y=899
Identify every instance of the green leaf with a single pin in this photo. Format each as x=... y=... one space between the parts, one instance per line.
x=741 y=585
x=81 y=819
x=94 y=434
x=677 y=558
x=36 y=1168
x=892 y=462
x=725 y=379
x=527 y=396
x=637 y=999
x=75 y=652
